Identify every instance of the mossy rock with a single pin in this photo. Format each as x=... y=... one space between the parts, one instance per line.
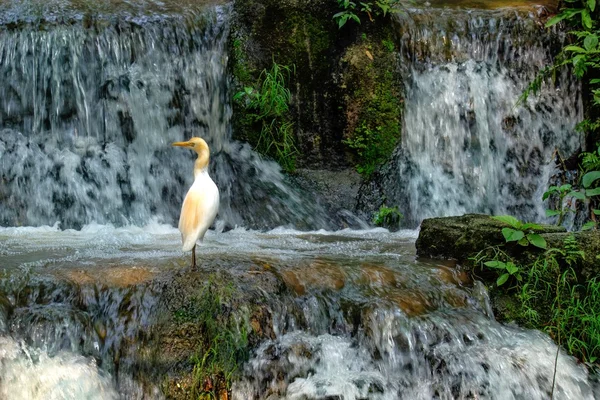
x=346 y=90
x=302 y=36
x=373 y=99
x=197 y=309
x=463 y=237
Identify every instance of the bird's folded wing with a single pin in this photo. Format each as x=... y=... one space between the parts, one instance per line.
x=191 y=219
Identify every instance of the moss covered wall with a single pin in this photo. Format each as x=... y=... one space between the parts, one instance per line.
x=346 y=97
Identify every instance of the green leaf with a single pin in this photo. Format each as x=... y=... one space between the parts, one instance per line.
x=523 y=242
x=586 y=18
x=565 y=187
x=537 y=240
x=531 y=225
x=596 y=212
x=552 y=213
x=511 y=235
x=509 y=219
x=588 y=225
x=577 y=195
x=511 y=268
x=495 y=264
x=546 y=195
x=591 y=4
x=590 y=42
x=592 y=192
x=502 y=279
x=589 y=178
x=555 y=20
x=575 y=49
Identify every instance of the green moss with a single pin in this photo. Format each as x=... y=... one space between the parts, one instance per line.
x=374 y=104
x=388 y=217
x=224 y=338
x=308 y=41
x=242 y=72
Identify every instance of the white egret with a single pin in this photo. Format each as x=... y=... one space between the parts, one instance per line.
x=201 y=202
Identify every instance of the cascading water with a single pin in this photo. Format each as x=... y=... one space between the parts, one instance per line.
x=361 y=319
x=90 y=105
x=88 y=108
x=467 y=146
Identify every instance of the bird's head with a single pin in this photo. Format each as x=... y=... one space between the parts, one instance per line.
x=197 y=144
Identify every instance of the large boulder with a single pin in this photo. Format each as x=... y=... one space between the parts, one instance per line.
x=463 y=237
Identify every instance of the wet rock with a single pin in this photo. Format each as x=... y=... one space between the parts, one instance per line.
x=463 y=237
x=336 y=190
x=374 y=275
x=412 y=302
x=112 y=276
x=453 y=276
x=318 y=275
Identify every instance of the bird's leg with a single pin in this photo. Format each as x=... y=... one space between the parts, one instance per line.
x=194 y=257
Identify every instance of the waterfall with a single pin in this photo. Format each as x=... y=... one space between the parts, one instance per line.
x=467 y=146
x=90 y=105
x=92 y=93
x=398 y=358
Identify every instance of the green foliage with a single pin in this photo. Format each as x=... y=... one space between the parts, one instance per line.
x=550 y=298
x=268 y=105
x=225 y=338
x=522 y=233
x=582 y=54
x=590 y=161
x=350 y=10
x=388 y=45
x=387 y=216
x=587 y=192
x=590 y=192
x=562 y=209
x=507 y=269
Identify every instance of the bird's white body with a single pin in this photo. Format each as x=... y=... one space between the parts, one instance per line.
x=201 y=202
x=199 y=209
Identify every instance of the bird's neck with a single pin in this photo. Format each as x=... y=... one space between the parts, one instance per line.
x=201 y=164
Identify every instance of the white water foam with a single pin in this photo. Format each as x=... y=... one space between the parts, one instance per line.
x=31 y=374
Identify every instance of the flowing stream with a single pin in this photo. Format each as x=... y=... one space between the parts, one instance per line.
x=88 y=109
x=369 y=320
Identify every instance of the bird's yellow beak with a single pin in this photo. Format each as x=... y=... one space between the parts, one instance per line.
x=184 y=144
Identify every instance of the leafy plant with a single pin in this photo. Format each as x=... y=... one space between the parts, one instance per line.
x=562 y=209
x=582 y=54
x=522 y=233
x=387 y=216
x=590 y=160
x=550 y=297
x=508 y=269
x=350 y=10
x=269 y=106
x=589 y=192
